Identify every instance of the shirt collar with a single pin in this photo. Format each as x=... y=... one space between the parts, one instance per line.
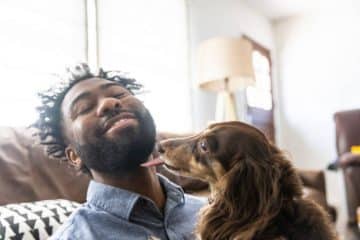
x=121 y=202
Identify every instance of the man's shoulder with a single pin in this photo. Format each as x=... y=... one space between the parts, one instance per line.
x=91 y=223
x=76 y=226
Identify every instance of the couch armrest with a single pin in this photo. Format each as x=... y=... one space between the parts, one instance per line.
x=315 y=189
x=313 y=179
x=349 y=159
x=352 y=189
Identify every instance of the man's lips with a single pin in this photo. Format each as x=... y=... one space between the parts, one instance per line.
x=119 y=121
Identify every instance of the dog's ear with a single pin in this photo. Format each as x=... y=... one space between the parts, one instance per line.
x=252 y=189
x=246 y=197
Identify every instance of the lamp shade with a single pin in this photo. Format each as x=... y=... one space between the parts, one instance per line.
x=225 y=58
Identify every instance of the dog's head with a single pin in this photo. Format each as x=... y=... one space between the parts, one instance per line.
x=234 y=157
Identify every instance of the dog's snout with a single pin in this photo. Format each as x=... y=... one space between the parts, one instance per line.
x=168 y=144
x=161 y=150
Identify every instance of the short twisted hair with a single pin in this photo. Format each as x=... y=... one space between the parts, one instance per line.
x=49 y=119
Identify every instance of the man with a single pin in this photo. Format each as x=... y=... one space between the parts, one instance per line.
x=96 y=123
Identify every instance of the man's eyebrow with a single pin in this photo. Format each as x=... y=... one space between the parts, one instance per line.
x=78 y=98
x=108 y=85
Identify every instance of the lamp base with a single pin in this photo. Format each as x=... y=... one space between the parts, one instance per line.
x=226 y=107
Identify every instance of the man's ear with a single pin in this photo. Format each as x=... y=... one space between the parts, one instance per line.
x=72 y=157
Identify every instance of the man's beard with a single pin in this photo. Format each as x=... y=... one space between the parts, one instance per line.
x=126 y=153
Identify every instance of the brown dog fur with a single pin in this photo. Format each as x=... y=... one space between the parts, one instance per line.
x=255 y=191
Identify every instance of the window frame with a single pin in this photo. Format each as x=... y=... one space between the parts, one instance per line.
x=262 y=118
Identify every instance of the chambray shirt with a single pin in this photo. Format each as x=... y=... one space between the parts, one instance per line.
x=114 y=213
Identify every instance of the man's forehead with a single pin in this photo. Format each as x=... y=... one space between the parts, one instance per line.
x=88 y=85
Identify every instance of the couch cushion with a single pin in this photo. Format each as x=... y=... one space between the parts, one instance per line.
x=28 y=174
x=34 y=220
x=347 y=130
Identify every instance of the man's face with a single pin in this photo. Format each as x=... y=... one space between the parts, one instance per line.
x=106 y=127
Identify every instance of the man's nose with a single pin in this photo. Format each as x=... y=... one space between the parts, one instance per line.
x=108 y=106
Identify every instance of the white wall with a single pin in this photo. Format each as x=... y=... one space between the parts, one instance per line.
x=319 y=74
x=212 y=18
x=318 y=63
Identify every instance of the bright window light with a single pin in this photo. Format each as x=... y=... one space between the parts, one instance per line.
x=38 y=38
x=148 y=39
x=259 y=96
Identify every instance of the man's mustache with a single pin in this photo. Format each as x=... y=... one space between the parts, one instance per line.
x=114 y=116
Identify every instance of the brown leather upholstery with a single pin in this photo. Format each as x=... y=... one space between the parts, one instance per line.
x=347 y=124
x=27 y=174
x=315 y=189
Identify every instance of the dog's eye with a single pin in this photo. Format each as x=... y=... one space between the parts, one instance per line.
x=203 y=146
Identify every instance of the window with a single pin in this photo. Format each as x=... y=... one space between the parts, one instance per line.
x=38 y=38
x=259 y=97
x=149 y=40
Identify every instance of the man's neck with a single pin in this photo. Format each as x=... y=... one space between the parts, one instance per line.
x=143 y=181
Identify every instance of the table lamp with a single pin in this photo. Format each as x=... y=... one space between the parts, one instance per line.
x=225 y=66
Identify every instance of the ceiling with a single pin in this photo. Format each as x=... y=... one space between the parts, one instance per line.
x=275 y=9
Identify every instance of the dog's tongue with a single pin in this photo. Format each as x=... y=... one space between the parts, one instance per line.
x=153 y=162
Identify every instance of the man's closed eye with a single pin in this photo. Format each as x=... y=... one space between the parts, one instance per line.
x=120 y=95
x=82 y=109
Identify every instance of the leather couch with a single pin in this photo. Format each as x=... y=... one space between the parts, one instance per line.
x=27 y=174
x=347 y=126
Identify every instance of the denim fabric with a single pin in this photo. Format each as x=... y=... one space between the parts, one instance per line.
x=114 y=213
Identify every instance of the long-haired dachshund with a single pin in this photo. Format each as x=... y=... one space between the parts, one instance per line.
x=255 y=191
